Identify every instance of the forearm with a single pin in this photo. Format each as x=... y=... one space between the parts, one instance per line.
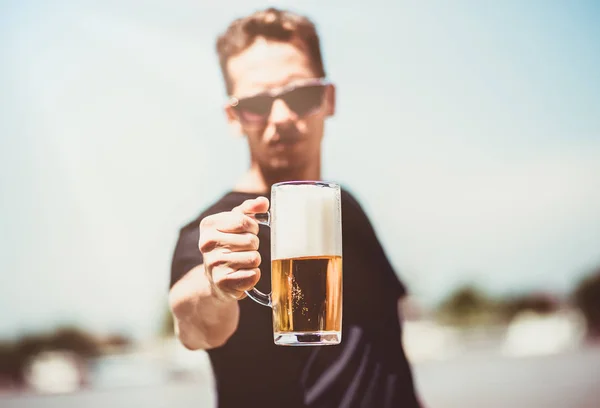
x=202 y=320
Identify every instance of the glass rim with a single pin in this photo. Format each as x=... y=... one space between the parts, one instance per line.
x=317 y=183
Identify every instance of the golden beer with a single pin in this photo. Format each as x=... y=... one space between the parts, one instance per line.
x=307 y=295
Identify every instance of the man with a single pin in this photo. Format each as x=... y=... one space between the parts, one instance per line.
x=273 y=70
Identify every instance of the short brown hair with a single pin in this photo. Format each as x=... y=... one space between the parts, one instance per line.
x=272 y=24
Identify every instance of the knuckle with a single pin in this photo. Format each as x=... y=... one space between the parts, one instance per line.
x=207 y=243
x=245 y=204
x=220 y=279
x=255 y=259
x=221 y=285
x=214 y=261
x=209 y=263
x=206 y=222
x=208 y=273
x=254 y=242
x=226 y=281
x=256 y=276
x=242 y=222
x=250 y=280
x=227 y=286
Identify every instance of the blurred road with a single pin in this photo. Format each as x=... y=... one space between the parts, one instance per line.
x=567 y=380
x=482 y=379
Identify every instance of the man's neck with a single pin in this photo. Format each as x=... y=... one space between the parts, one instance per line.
x=258 y=181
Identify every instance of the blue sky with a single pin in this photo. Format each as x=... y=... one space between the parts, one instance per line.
x=470 y=133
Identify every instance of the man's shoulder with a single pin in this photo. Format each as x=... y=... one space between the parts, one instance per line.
x=349 y=197
x=351 y=203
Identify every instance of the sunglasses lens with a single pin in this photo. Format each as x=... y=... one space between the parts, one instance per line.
x=255 y=109
x=302 y=101
x=305 y=100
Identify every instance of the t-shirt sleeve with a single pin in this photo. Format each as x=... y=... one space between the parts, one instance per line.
x=390 y=282
x=187 y=255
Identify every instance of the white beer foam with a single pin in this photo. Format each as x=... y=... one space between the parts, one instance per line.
x=306 y=221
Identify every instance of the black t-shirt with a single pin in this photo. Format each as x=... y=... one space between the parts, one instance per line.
x=369 y=367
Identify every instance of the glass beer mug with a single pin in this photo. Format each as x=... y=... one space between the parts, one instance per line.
x=306 y=263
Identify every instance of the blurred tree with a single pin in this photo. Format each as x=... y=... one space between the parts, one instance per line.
x=541 y=303
x=116 y=341
x=168 y=326
x=75 y=340
x=587 y=298
x=114 y=344
x=15 y=355
x=468 y=306
x=10 y=364
x=31 y=345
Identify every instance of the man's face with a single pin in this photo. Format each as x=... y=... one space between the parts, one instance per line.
x=279 y=105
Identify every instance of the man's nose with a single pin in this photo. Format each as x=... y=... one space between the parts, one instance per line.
x=281 y=113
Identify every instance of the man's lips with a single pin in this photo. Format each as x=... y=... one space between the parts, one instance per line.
x=281 y=146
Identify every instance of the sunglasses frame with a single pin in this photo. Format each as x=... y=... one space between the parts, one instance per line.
x=274 y=93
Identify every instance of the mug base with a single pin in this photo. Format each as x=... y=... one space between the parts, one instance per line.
x=318 y=338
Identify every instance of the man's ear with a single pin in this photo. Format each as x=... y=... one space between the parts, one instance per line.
x=330 y=100
x=233 y=120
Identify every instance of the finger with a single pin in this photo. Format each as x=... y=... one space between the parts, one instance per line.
x=241 y=260
x=212 y=239
x=239 y=281
x=235 y=295
x=227 y=288
x=231 y=294
x=231 y=221
x=253 y=206
x=221 y=263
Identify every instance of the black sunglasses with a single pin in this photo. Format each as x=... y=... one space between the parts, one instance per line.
x=302 y=99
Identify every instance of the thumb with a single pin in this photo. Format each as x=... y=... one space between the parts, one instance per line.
x=253 y=206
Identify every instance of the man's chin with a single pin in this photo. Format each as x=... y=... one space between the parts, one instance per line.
x=283 y=166
x=280 y=165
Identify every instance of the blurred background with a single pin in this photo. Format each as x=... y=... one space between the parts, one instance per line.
x=470 y=131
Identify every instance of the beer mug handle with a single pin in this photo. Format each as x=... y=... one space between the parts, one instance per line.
x=255 y=294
